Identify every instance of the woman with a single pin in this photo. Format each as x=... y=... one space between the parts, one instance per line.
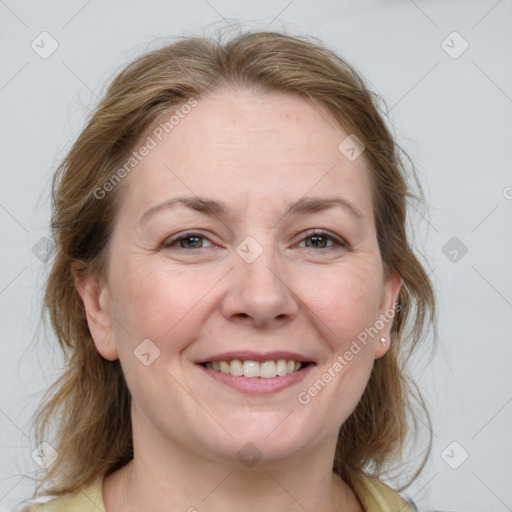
x=231 y=288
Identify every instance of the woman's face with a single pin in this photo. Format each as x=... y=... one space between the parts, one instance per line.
x=245 y=235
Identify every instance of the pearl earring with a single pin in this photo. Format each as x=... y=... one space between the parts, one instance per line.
x=383 y=341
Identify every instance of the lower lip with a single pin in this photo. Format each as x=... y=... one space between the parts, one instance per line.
x=258 y=385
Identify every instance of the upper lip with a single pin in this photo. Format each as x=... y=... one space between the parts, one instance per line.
x=247 y=355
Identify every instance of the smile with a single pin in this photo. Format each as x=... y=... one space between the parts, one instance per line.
x=254 y=369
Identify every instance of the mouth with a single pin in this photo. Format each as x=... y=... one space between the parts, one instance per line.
x=252 y=369
x=258 y=373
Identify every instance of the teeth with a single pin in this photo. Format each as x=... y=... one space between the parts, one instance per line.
x=281 y=367
x=236 y=368
x=265 y=370
x=268 y=370
x=251 y=369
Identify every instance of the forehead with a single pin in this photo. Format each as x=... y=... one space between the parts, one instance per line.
x=245 y=121
x=242 y=145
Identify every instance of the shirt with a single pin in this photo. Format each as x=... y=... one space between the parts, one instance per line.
x=373 y=495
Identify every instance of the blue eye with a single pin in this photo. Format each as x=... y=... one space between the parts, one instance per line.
x=314 y=239
x=188 y=241
x=321 y=239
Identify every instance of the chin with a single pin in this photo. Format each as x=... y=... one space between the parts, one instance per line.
x=264 y=442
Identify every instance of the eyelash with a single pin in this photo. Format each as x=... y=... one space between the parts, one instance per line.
x=169 y=243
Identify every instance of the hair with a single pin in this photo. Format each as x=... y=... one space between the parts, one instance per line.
x=89 y=405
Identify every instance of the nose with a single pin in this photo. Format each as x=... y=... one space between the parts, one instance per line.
x=260 y=293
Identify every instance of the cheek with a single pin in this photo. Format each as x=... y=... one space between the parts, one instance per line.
x=345 y=300
x=157 y=302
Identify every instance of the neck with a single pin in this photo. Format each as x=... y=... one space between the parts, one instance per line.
x=176 y=479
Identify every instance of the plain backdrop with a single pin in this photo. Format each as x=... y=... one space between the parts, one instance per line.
x=444 y=69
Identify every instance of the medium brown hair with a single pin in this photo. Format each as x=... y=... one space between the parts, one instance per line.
x=90 y=402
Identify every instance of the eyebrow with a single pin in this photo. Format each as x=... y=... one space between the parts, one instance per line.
x=216 y=208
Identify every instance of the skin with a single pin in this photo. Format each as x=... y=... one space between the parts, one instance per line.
x=258 y=153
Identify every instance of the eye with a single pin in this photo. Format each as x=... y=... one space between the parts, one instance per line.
x=189 y=240
x=318 y=239
x=314 y=239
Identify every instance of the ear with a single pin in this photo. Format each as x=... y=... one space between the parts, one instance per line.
x=95 y=296
x=390 y=292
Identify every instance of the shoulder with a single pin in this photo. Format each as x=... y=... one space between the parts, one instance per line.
x=85 y=499
x=378 y=497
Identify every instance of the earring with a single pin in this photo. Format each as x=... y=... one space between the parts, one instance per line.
x=383 y=341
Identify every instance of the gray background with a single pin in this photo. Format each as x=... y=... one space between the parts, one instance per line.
x=451 y=111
